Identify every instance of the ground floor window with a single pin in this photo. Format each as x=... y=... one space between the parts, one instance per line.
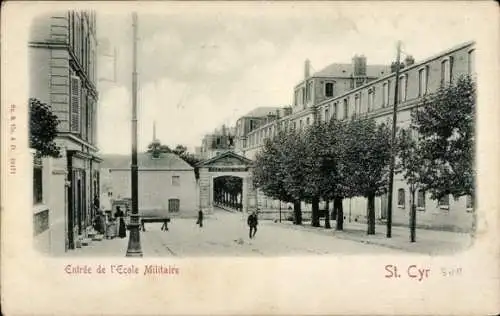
x=37 y=181
x=444 y=202
x=421 y=200
x=173 y=205
x=401 y=198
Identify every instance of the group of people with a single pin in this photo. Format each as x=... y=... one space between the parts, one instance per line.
x=106 y=224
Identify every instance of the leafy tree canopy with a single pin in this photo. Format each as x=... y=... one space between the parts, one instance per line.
x=43 y=129
x=445 y=127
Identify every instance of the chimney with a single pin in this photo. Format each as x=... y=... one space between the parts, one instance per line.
x=359 y=65
x=409 y=60
x=278 y=114
x=307 y=69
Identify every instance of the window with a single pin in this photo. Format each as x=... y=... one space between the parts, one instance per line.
x=385 y=95
x=173 y=205
x=335 y=110
x=300 y=124
x=307 y=121
x=37 y=181
x=444 y=202
x=303 y=96
x=402 y=88
x=371 y=99
x=75 y=104
x=346 y=108
x=445 y=72
x=357 y=104
x=309 y=91
x=422 y=81
x=327 y=115
x=421 y=200
x=329 y=89
x=176 y=181
x=471 y=60
x=401 y=198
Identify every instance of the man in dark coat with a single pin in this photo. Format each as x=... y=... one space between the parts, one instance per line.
x=252 y=222
x=200 y=218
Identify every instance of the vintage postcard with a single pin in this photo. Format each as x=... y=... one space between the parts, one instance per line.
x=250 y=158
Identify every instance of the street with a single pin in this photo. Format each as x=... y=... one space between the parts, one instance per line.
x=226 y=234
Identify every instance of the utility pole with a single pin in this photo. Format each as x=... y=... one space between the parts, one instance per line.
x=393 y=141
x=134 y=241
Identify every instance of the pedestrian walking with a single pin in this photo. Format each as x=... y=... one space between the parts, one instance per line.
x=200 y=218
x=122 y=231
x=252 y=222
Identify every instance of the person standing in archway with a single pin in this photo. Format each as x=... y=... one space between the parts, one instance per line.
x=252 y=222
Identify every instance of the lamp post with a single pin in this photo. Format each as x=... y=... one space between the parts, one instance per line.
x=393 y=140
x=134 y=241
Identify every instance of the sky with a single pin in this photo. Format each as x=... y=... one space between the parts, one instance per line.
x=207 y=65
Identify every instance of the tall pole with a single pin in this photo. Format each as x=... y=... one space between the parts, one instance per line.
x=134 y=241
x=393 y=141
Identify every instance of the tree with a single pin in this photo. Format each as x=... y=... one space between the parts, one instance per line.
x=316 y=164
x=337 y=175
x=179 y=150
x=268 y=175
x=156 y=148
x=293 y=169
x=43 y=129
x=445 y=126
x=367 y=157
x=193 y=161
x=411 y=165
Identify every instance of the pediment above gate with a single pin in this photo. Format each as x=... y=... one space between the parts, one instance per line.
x=228 y=159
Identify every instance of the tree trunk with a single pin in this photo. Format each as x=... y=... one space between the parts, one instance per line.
x=371 y=214
x=327 y=215
x=297 y=213
x=413 y=216
x=315 y=212
x=338 y=209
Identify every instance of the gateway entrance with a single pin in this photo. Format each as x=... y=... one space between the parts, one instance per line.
x=226 y=180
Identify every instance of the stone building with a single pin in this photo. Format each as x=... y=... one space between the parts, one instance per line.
x=167 y=184
x=62 y=65
x=373 y=95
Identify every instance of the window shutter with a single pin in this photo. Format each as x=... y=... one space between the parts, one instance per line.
x=75 y=104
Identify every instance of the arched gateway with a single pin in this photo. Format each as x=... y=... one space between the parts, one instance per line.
x=228 y=164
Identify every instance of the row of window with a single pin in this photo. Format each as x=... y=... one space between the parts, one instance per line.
x=82 y=41
x=423 y=78
x=333 y=110
x=444 y=202
x=83 y=112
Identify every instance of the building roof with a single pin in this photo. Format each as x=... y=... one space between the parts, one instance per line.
x=345 y=70
x=262 y=111
x=167 y=161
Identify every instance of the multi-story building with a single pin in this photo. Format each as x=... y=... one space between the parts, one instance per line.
x=63 y=66
x=217 y=142
x=373 y=95
x=253 y=120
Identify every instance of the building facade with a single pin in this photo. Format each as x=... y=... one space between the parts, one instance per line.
x=219 y=141
x=167 y=184
x=370 y=93
x=63 y=65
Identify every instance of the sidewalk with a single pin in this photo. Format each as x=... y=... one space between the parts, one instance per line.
x=152 y=246
x=429 y=242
